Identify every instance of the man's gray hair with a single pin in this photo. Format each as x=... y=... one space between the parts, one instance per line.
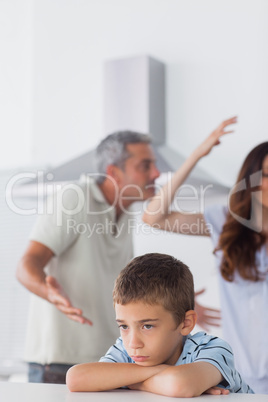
x=112 y=150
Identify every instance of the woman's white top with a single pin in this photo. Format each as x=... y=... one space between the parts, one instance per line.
x=244 y=306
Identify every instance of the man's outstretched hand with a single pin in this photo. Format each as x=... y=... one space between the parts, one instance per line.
x=56 y=296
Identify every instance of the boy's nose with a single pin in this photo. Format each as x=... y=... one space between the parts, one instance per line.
x=135 y=342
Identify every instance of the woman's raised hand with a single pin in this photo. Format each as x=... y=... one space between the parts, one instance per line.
x=214 y=138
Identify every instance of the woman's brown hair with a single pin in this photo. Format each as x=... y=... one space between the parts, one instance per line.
x=239 y=242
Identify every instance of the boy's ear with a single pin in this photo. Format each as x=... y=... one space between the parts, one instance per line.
x=189 y=322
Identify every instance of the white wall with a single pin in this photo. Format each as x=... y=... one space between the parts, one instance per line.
x=16 y=78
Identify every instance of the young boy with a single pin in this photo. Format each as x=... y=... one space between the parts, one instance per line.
x=154 y=304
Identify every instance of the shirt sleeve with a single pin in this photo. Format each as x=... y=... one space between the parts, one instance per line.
x=117 y=354
x=219 y=353
x=55 y=226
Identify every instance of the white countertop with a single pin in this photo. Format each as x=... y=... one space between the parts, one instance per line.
x=26 y=392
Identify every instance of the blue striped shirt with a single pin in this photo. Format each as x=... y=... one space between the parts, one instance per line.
x=197 y=347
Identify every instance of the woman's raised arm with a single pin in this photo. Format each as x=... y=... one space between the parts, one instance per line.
x=158 y=212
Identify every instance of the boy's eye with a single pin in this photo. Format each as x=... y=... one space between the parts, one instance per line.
x=123 y=327
x=148 y=326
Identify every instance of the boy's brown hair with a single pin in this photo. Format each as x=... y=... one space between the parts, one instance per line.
x=157 y=279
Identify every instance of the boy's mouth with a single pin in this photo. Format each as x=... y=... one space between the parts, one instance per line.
x=139 y=358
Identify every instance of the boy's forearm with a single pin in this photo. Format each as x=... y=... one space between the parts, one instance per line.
x=106 y=376
x=188 y=380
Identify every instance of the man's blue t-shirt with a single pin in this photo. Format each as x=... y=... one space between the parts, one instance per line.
x=197 y=347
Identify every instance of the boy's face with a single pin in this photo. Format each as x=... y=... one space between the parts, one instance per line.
x=149 y=332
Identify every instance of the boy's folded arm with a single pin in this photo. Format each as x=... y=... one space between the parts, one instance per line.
x=187 y=380
x=105 y=376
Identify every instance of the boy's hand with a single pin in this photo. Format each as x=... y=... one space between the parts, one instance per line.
x=217 y=391
x=56 y=296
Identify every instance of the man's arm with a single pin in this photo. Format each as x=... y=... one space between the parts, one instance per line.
x=30 y=273
x=185 y=381
x=106 y=376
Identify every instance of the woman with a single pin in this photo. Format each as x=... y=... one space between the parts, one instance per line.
x=240 y=236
